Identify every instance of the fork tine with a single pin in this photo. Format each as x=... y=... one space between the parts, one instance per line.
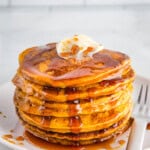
x=146 y=94
x=140 y=94
x=141 y=111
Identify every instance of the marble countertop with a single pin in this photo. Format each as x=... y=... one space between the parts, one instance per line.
x=123 y=28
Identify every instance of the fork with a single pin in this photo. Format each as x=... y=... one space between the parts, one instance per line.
x=141 y=115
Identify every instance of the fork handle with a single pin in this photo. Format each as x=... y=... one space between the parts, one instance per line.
x=136 y=137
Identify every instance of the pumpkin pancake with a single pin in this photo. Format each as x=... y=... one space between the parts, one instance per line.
x=43 y=66
x=85 y=135
x=68 y=94
x=78 y=142
x=86 y=123
x=32 y=105
x=81 y=138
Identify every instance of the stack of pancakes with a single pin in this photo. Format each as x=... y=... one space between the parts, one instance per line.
x=73 y=102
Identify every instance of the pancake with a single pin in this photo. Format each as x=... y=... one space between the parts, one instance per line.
x=68 y=94
x=81 y=138
x=74 y=101
x=43 y=66
x=32 y=105
x=85 y=123
x=63 y=141
x=84 y=135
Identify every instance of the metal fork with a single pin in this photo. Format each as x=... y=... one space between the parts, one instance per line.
x=141 y=114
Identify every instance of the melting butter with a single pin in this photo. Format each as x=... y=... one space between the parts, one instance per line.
x=78 y=47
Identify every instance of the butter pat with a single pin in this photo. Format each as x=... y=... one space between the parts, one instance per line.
x=78 y=47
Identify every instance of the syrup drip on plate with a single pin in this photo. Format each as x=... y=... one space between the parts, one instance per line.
x=148 y=126
x=15 y=136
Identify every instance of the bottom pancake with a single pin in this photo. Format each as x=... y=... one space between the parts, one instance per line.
x=79 y=142
x=81 y=138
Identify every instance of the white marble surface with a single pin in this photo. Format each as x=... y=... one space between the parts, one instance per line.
x=126 y=29
x=70 y=2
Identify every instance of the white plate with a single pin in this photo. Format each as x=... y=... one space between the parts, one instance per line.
x=8 y=110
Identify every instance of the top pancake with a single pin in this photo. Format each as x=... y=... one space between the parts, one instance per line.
x=42 y=65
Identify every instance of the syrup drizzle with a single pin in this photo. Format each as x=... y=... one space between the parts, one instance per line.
x=74 y=121
x=46 y=121
x=75 y=124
